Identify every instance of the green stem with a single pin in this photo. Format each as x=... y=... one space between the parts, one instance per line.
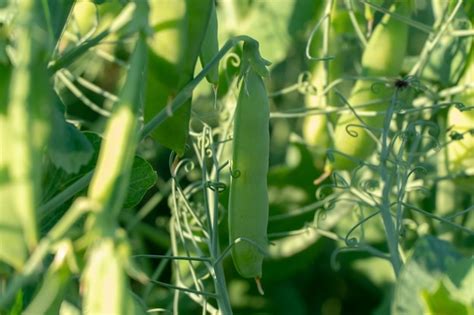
x=387 y=178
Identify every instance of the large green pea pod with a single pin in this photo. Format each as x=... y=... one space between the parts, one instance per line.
x=248 y=200
x=461 y=152
x=180 y=27
x=383 y=56
x=28 y=118
x=315 y=131
x=104 y=282
x=14 y=249
x=111 y=177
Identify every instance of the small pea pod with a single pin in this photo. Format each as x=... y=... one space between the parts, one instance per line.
x=248 y=201
x=461 y=151
x=383 y=56
x=315 y=127
x=180 y=29
x=210 y=46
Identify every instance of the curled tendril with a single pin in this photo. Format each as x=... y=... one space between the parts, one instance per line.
x=335 y=265
x=423 y=123
x=377 y=86
x=328 y=206
x=417 y=169
x=303 y=86
x=176 y=165
x=232 y=59
x=319 y=216
x=359 y=248
x=235 y=173
x=311 y=37
x=216 y=186
x=352 y=242
x=357 y=162
x=187 y=165
x=351 y=129
x=195 y=126
x=397 y=136
x=369 y=184
x=321 y=191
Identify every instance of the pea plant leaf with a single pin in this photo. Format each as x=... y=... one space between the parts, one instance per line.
x=429 y=263
x=68 y=149
x=56 y=14
x=142 y=178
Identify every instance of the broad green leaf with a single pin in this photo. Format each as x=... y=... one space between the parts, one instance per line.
x=68 y=148
x=461 y=280
x=57 y=12
x=142 y=178
x=442 y=302
x=429 y=262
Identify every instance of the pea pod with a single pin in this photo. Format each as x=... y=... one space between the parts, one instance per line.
x=104 y=280
x=248 y=201
x=110 y=181
x=180 y=29
x=383 y=56
x=461 y=152
x=28 y=117
x=315 y=131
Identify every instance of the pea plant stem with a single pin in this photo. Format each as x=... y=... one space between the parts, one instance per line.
x=219 y=276
x=387 y=179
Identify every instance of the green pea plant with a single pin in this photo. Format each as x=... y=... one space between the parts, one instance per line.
x=383 y=145
x=145 y=167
